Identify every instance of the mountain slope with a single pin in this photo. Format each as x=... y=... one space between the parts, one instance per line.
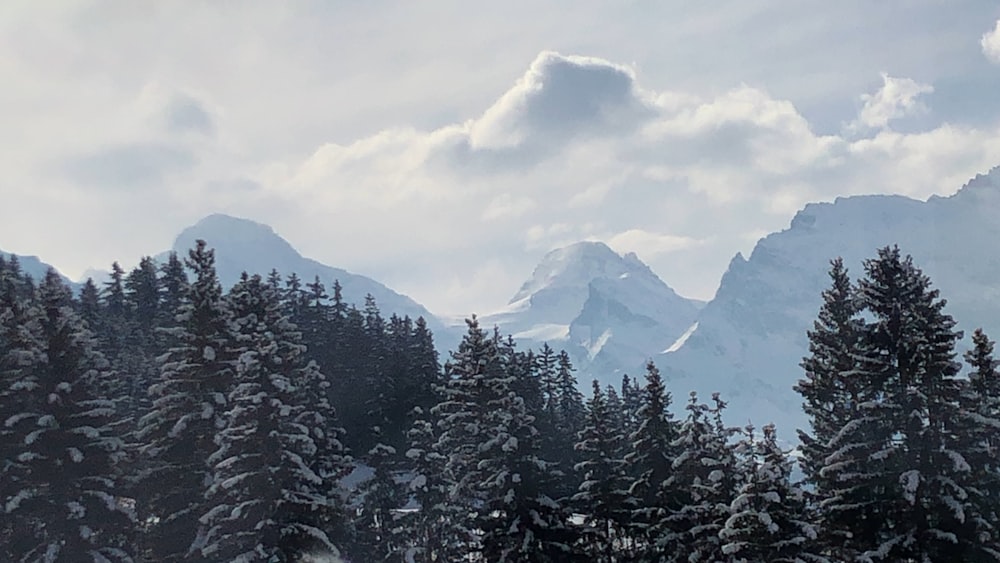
x=243 y=245
x=34 y=267
x=752 y=335
x=610 y=312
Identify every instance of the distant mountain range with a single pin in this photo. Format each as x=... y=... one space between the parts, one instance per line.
x=612 y=313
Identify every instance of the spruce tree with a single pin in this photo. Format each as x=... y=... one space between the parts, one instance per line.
x=424 y=526
x=768 y=520
x=264 y=479
x=902 y=485
x=66 y=467
x=704 y=478
x=188 y=410
x=650 y=460
x=602 y=494
x=981 y=407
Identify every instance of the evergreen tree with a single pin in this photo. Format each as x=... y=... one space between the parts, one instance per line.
x=20 y=352
x=981 y=406
x=768 y=520
x=650 y=460
x=424 y=526
x=704 y=478
x=264 y=479
x=519 y=519
x=602 y=494
x=68 y=451
x=189 y=406
x=831 y=384
x=904 y=487
x=379 y=499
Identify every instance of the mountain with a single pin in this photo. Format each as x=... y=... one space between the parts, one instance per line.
x=242 y=245
x=34 y=267
x=751 y=337
x=610 y=312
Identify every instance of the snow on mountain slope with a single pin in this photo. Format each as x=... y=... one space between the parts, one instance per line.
x=243 y=245
x=610 y=312
x=751 y=337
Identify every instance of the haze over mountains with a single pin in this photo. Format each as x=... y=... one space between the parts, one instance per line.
x=612 y=313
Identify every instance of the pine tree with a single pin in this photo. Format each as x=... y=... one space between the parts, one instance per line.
x=424 y=538
x=461 y=430
x=66 y=465
x=20 y=351
x=189 y=405
x=602 y=494
x=904 y=487
x=650 y=460
x=519 y=519
x=768 y=520
x=829 y=387
x=704 y=478
x=981 y=406
x=264 y=479
x=379 y=500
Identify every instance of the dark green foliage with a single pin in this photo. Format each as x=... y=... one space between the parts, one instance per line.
x=62 y=499
x=178 y=434
x=603 y=492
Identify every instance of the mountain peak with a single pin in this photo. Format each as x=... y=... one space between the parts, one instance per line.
x=575 y=265
x=240 y=242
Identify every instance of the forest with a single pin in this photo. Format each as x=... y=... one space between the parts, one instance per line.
x=160 y=417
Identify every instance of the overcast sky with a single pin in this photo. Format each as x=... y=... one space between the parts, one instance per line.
x=443 y=147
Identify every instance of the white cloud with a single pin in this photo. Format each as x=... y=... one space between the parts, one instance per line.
x=990 y=43
x=895 y=99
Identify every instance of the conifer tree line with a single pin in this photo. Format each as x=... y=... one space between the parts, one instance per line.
x=160 y=418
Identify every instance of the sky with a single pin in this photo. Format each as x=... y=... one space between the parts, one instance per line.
x=443 y=147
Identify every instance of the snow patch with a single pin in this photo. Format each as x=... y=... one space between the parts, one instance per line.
x=545 y=332
x=682 y=339
x=594 y=349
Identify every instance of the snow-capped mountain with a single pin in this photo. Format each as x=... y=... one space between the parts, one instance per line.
x=242 y=245
x=751 y=337
x=34 y=267
x=610 y=312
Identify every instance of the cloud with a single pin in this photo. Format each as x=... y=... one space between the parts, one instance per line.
x=682 y=184
x=186 y=114
x=139 y=166
x=649 y=244
x=895 y=99
x=990 y=43
x=558 y=97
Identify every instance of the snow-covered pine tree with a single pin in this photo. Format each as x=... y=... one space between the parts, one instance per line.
x=519 y=519
x=66 y=465
x=650 y=460
x=830 y=386
x=981 y=406
x=461 y=428
x=20 y=352
x=905 y=489
x=422 y=528
x=379 y=500
x=189 y=402
x=264 y=479
x=602 y=493
x=703 y=479
x=768 y=520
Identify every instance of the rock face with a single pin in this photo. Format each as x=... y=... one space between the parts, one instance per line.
x=751 y=337
x=610 y=312
x=243 y=245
